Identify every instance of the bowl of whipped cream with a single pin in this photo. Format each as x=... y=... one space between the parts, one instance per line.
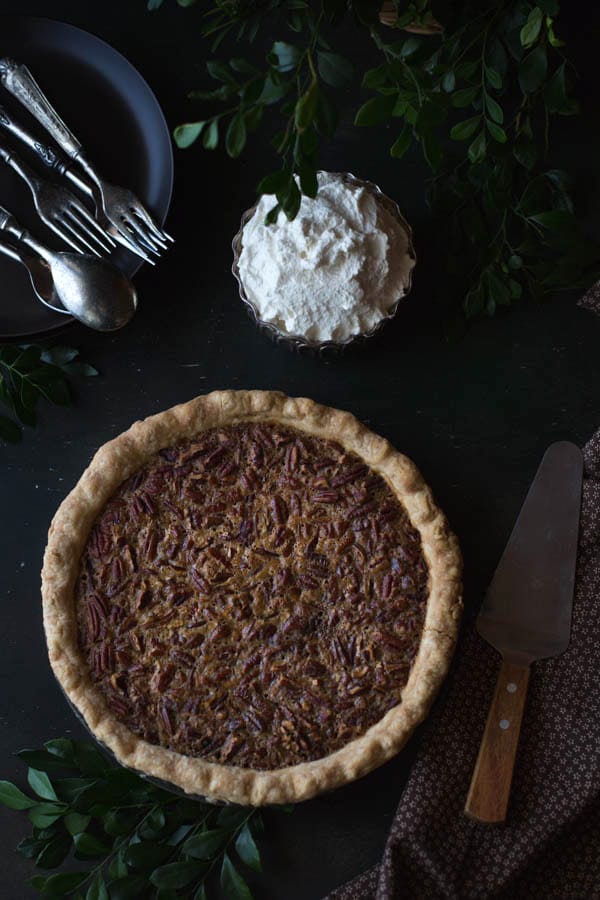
x=335 y=274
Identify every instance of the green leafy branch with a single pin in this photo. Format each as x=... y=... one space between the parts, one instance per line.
x=296 y=78
x=477 y=97
x=136 y=840
x=30 y=373
x=511 y=222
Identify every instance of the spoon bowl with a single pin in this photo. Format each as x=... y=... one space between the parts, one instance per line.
x=92 y=290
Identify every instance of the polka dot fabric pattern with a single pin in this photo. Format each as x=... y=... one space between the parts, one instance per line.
x=549 y=848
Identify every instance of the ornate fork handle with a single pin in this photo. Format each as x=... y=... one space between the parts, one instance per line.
x=46 y=154
x=26 y=173
x=18 y=80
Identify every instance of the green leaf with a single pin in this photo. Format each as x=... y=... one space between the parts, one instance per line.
x=474 y=302
x=515 y=262
x=201 y=893
x=10 y=432
x=494 y=109
x=43 y=819
x=59 y=355
x=89 y=759
x=54 y=852
x=129 y=887
x=308 y=180
x=334 y=69
x=177 y=875
x=210 y=139
x=287 y=56
x=477 y=149
x=220 y=71
x=525 y=152
x=232 y=816
x=206 y=844
x=51 y=384
x=496 y=132
x=498 y=290
x=493 y=77
x=64 y=883
x=9 y=353
x=247 y=850
x=432 y=151
x=42 y=760
x=75 y=823
x=516 y=291
x=402 y=143
x=290 y=199
x=232 y=884
x=326 y=117
x=555 y=94
x=273 y=214
x=82 y=370
x=41 y=785
x=274 y=182
x=376 y=78
x=555 y=220
x=235 y=140
x=243 y=66
x=117 y=867
x=97 y=889
x=410 y=46
x=375 y=110
x=61 y=747
x=28 y=358
x=306 y=107
x=11 y=796
x=31 y=847
x=147 y=855
x=552 y=37
x=549 y=7
x=531 y=29
x=89 y=847
x=186 y=134
x=533 y=70
x=463 y=130
x=449 y=81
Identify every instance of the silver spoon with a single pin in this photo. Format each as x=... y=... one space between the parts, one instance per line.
x=92 y=290
x=39 y=273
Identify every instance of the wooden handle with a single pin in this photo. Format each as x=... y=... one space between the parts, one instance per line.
x=490 y=785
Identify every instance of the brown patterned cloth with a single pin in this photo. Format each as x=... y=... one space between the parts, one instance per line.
x=550 y=847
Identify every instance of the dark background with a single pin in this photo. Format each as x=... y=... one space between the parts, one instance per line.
x=476 y=415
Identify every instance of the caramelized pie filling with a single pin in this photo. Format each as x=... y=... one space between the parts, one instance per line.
x=254 y=597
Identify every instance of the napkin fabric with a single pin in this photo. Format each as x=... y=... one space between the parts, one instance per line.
x=549 y=849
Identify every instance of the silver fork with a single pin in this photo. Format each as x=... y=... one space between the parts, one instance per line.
x=61 y=210
x=121 y=206
x=66 y=168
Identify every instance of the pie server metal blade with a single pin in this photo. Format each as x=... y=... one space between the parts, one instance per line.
x=526 y=615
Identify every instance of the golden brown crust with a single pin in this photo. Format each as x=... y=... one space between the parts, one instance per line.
x=118 y=459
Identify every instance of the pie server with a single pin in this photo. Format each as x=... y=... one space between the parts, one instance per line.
x=526 y=615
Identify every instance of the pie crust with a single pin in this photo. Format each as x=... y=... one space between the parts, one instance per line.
x=119 y=459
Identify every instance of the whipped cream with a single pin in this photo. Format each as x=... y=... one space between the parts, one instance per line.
x=335 y=271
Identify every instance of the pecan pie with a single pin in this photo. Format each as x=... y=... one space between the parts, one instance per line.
x=251 y=597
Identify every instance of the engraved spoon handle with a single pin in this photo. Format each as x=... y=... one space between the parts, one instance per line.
x=9 y=224
x=18 y=80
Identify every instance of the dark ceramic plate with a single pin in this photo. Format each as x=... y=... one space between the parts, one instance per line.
x=117 y=118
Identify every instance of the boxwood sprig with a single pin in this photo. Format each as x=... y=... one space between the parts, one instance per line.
x=476 y=96
x=30 y=373
x=122 y=836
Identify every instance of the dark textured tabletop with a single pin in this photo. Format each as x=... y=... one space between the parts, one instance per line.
x=476 y=415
